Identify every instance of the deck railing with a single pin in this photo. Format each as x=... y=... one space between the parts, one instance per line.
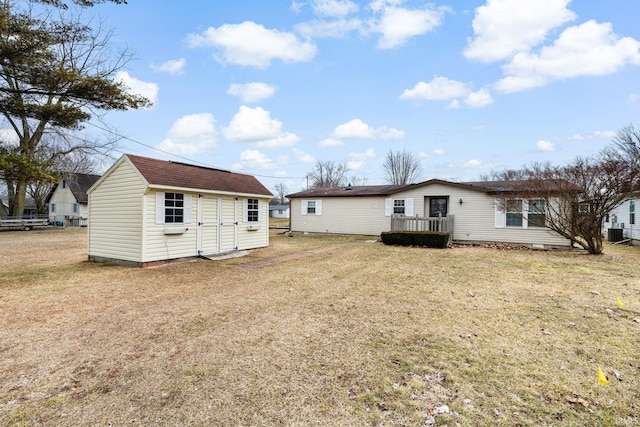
x=418 y=223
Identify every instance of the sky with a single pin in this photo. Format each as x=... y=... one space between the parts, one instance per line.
x=270 y=88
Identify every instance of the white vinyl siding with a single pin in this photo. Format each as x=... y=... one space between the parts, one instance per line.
x=115 y=215
x=248 y=239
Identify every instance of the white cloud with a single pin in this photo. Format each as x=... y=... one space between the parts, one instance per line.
x=440 y=88
x=436 y=152
x=296 y=7
x=302 y=156
x=330 y=142
x=329 y=29
x=331 y=8
x=587 y=49
x=354 y=129
x=255 y=159
x=252 y=92
x=634 y=97
x=358 y=161
x=357 y=129
x=138 y=87
x=607 y=134
x=504 y=27
x=174 y=66
x=543 y=145
x=251 y=44
x=479 y=99
x=255 y=126
x=190 y=135
x=397 y=25
x=474 y=164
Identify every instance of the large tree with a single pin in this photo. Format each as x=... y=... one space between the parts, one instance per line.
x=326 y=174
x=280 y=191
x=578 y=196
x=401 y=167
x=56 y=73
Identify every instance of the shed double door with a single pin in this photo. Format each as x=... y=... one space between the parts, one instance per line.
x=217 y=224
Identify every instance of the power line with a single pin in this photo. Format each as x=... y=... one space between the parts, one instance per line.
x=104 y=129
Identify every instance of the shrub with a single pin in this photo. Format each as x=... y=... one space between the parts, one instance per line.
x=430 y=239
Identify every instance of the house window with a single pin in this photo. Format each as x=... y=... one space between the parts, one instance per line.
x=514 y=213
x=252 y=210
x=64 y=184
x=398 y=206
x=536 y=217
x=173 y=208
x=311 y=207
x=632 y=212
x=53 y=208
x=75 y=208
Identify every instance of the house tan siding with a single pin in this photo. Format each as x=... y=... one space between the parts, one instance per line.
x=164 y=241
x=259 y=238
x=342 y=215
x=115 y=216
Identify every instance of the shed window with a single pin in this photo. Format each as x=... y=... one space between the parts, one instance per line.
x=173 y=208
x=252 y=210
x=398 y=207
x=311 y=207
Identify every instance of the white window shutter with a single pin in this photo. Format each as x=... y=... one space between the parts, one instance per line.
x=160 y=207
x=525 y=213
x=318 y=207
x=408 y=207
x=500 y=216
x=303 y=206
x=245 y=210
x=388 y=207
x=260 y=207
x=187 y=208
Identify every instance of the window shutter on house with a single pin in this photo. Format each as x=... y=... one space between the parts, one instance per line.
x=500 y=215
x=245 y=210
x=187 y=208
x=160 y=207
x=408 y=207
x=260 y=203
x=388 y=207
x=303 y=206
x=318 y=207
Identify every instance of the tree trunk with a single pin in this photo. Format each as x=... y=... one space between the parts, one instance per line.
x=20 y=197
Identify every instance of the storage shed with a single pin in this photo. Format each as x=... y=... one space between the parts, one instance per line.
x=146 y=211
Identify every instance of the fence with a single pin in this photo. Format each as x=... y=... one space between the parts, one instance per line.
x=68 y=221
x=417 y=223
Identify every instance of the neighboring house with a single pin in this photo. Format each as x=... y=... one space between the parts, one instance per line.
x=473 y=207
x=279 y=211
x=622 y=222
x=68 y=201
x=29 y=211
x=145 y=211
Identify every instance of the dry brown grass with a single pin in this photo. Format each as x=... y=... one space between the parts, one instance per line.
x=317 y=331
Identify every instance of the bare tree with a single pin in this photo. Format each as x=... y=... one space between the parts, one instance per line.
x=280 y=192
x=401 y=167
x=626 y=146
x=578 y=196
x=327 y=174
x=505 y=175
x=358 y=180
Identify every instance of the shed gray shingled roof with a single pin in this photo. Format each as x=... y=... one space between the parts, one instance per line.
x=182 y=175
x=489 y=187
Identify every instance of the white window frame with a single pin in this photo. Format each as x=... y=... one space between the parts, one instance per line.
x=502 y=211
x=304 y=206
x=390 y=205
x=161 y=209
x=248 y=208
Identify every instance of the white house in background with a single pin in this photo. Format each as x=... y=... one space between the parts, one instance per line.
x=472 y=206
x=68 y=199
x=146 y=211
x=279 y=211
x=623 y=218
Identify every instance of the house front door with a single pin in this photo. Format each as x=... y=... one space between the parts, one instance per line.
x=438 y=206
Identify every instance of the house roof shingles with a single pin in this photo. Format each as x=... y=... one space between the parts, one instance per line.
x=489 y=187
x=182 y=175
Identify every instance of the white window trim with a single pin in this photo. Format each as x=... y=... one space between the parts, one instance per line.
x=160 y=209
x=389 y=205
x=245 y=210
x=501 y=216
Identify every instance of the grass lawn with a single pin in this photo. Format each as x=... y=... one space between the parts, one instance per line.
x=318 y=330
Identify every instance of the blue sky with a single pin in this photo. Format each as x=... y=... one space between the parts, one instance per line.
x=271 y=87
